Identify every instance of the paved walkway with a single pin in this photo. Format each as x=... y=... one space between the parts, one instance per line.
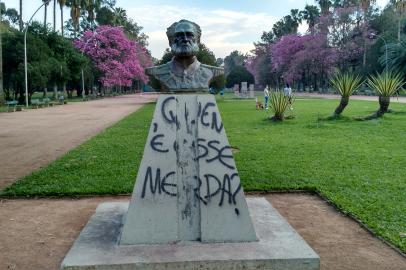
x=36 y=236
x=32 y=138
x=330 y=96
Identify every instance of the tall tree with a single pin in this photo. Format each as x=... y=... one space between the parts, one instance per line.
x=233 y=60
x=400 y=7
x=21 y=15
x=324 y=6
x=75 y=9
x=117 y=58
x=365 y=6
x=288 y=24
x=310 y=14
x=45 y=12
x=54 y=18
x=62 y=4
x=2 y=12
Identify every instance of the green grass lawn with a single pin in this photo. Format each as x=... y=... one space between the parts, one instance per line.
x=358 y=165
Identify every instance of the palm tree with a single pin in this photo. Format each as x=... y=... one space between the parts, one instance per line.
x=296 y=16
x=400 y=8
x=2 y=10
x=345 y=85
x=365 y=5
x=324 y=6
x=91 y=7
x=75 y=10
x=54 y=15
x=21 y=16
x=310 y=14
x=396 y=58
x=120 y=16
x=61 y=3
x=386 y=84
x=45 y=12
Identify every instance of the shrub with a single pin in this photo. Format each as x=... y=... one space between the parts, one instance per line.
x=345 y=84
x=278 y=103
x=386 y=84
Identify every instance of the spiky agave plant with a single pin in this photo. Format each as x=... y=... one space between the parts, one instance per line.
x=385 y=85
x=278 y=103
x=345 y=84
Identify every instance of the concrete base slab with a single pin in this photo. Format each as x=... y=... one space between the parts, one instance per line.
x=279 y=246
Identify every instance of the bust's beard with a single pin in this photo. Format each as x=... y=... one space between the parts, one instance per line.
x=188 y=50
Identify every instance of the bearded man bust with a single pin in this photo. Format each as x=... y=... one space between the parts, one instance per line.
x=184 y=72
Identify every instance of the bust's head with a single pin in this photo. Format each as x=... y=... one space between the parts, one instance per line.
x=184 y=38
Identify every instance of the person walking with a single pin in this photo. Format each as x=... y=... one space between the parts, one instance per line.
x=288 y=93
x=266 y=96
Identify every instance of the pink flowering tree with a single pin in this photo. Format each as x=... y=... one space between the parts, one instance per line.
x=259 y=64
x=305 y=58
x=118 y=59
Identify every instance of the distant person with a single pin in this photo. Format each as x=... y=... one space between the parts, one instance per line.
x=266 y=96
x=222 y=92
x=288 y=93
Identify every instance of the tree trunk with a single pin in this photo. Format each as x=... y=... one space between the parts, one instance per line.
x=61 y=19
x=54 y=15
x=45 y=95
x=364 y=58
x=342 y=105
x=399 y=21
x=45 y=15
x=315 y=86
x=278 y=117
x=1 y=64
x=383 y=105
x=55 y=92
x=21 y=16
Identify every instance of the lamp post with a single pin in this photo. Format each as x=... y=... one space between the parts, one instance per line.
x=386 y=49
x=25 y=51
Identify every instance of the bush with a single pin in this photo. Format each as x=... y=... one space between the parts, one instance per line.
x=279 y=103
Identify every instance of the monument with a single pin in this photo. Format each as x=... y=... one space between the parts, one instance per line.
x=251 y=88
x=244 y=89
x=184 y=72
x=188 y=209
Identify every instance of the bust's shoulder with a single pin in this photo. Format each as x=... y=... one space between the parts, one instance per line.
x=159 y=70
x=215 y=70
x=211 y=67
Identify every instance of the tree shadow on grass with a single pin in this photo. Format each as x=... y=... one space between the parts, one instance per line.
x=375 y=115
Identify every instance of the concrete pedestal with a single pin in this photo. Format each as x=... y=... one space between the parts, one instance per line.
x=279 y=246
x=187 y=187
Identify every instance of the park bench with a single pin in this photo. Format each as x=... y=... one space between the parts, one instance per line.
x=62 y=100
x=36 y=103
x=13 y=106
x=47 y=102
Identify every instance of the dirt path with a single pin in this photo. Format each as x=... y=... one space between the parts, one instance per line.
x=32 y=138
x=37 y=234
x=356 y=97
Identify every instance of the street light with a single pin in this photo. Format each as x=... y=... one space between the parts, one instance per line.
x=386 y=49
x=25 y=51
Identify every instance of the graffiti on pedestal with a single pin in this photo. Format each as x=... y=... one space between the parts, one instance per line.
x=210 y=186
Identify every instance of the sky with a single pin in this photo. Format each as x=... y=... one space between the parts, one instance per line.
x=227 y=25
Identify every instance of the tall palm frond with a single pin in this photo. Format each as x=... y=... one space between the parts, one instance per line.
x=62 y=4
x=20 y=21
x=386 y=84
x=345 y=84
x=396 y=58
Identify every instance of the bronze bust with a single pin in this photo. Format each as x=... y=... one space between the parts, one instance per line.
x=184 y=72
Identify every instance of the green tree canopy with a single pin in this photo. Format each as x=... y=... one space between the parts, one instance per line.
x=238 y=75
